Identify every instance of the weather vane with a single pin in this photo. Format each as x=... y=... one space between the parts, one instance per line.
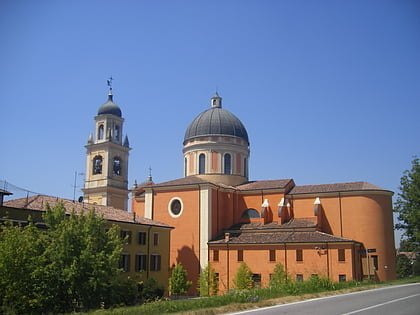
x=109 y=82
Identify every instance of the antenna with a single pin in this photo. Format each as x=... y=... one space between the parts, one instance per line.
x=150 y=174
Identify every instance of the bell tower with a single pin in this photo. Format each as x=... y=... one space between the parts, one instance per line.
x=106 y=178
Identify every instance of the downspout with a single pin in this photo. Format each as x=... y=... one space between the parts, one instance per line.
x=285 y=259
x=328 y=260
x=341 y=218
x=228 y=266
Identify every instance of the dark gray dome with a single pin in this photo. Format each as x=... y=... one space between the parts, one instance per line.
x=216 y=121
x=109 y=108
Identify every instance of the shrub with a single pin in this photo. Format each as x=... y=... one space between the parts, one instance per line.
x=243 y=278
x=178 y=283
x=208 y=282
x=151 y=290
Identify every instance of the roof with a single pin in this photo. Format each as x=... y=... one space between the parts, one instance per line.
x=189 y=180
x=216 y=121
x=38 y=202
x=265 y=184
x=296 y=223
x=109 y=108
x=259 y=237
x=339 y=187
x=297 y=230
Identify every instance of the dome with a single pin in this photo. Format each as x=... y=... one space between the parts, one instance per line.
x=216 y=121
x=109 y=108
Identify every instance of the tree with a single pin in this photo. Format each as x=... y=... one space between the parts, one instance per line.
x=279 y=276
x=403 y=266
x=21 y=260
x=70 y=266
x=243 y=278
x=407 y=204
x=84 y=256
x=178 y=283
x=208 y=281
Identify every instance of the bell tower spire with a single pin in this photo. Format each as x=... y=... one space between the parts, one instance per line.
x=107 y=158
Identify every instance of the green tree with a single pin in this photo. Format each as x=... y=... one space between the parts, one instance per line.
x=70 y=266
x=279 y=277
x=208 y=281
x=243 y=278
x=178 y=283
x=84 y=256
x=21 y=260
x=403 y=265
x=407 y=204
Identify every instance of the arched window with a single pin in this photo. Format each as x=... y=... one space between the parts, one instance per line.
x=250 y=214
x=227 y=164
x=185 y=167
x=202 y=164
x=117 y=133
x=116 y=166
x=97 y=165
x=245 y=167
x=100 y=132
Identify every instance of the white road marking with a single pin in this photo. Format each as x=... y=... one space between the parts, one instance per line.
x=381 y=304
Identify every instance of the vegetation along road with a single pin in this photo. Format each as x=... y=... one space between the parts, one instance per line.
x=402 y=300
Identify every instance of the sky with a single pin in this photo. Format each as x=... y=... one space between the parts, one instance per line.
x=328 y=91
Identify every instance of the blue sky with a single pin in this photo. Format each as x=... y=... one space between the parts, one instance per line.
x=328 y=90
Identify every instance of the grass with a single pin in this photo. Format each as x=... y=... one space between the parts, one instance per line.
x=247 y=299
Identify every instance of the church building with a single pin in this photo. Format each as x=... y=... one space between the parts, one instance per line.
x=341 y=231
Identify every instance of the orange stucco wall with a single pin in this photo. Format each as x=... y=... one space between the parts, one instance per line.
x=320 y=262
x=366 y=218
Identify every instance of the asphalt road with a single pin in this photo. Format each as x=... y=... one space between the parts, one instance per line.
x=395 y=300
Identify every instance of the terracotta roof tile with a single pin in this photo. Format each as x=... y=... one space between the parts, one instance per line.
x=265 y=184
x=38 y=202
x=339 y=187
x=189 y=180
x=280 y=237
x=292 y=224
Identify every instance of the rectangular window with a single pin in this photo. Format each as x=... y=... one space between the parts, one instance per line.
x=299 y=255
x=141 y=262
x=299 y=277
x=256 y=278
x=272 y=255
x=142 y=238
x=341 y=278
x=126 y=235
x=240 y=255
x=341 y=254
x=155 y=261
x=125 y=262
x=156 y=239
x=216 y=255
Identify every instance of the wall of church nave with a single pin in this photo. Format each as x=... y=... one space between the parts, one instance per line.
x=223 y=205
x=137 y=206
x=300 y=262
x=185 y=237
